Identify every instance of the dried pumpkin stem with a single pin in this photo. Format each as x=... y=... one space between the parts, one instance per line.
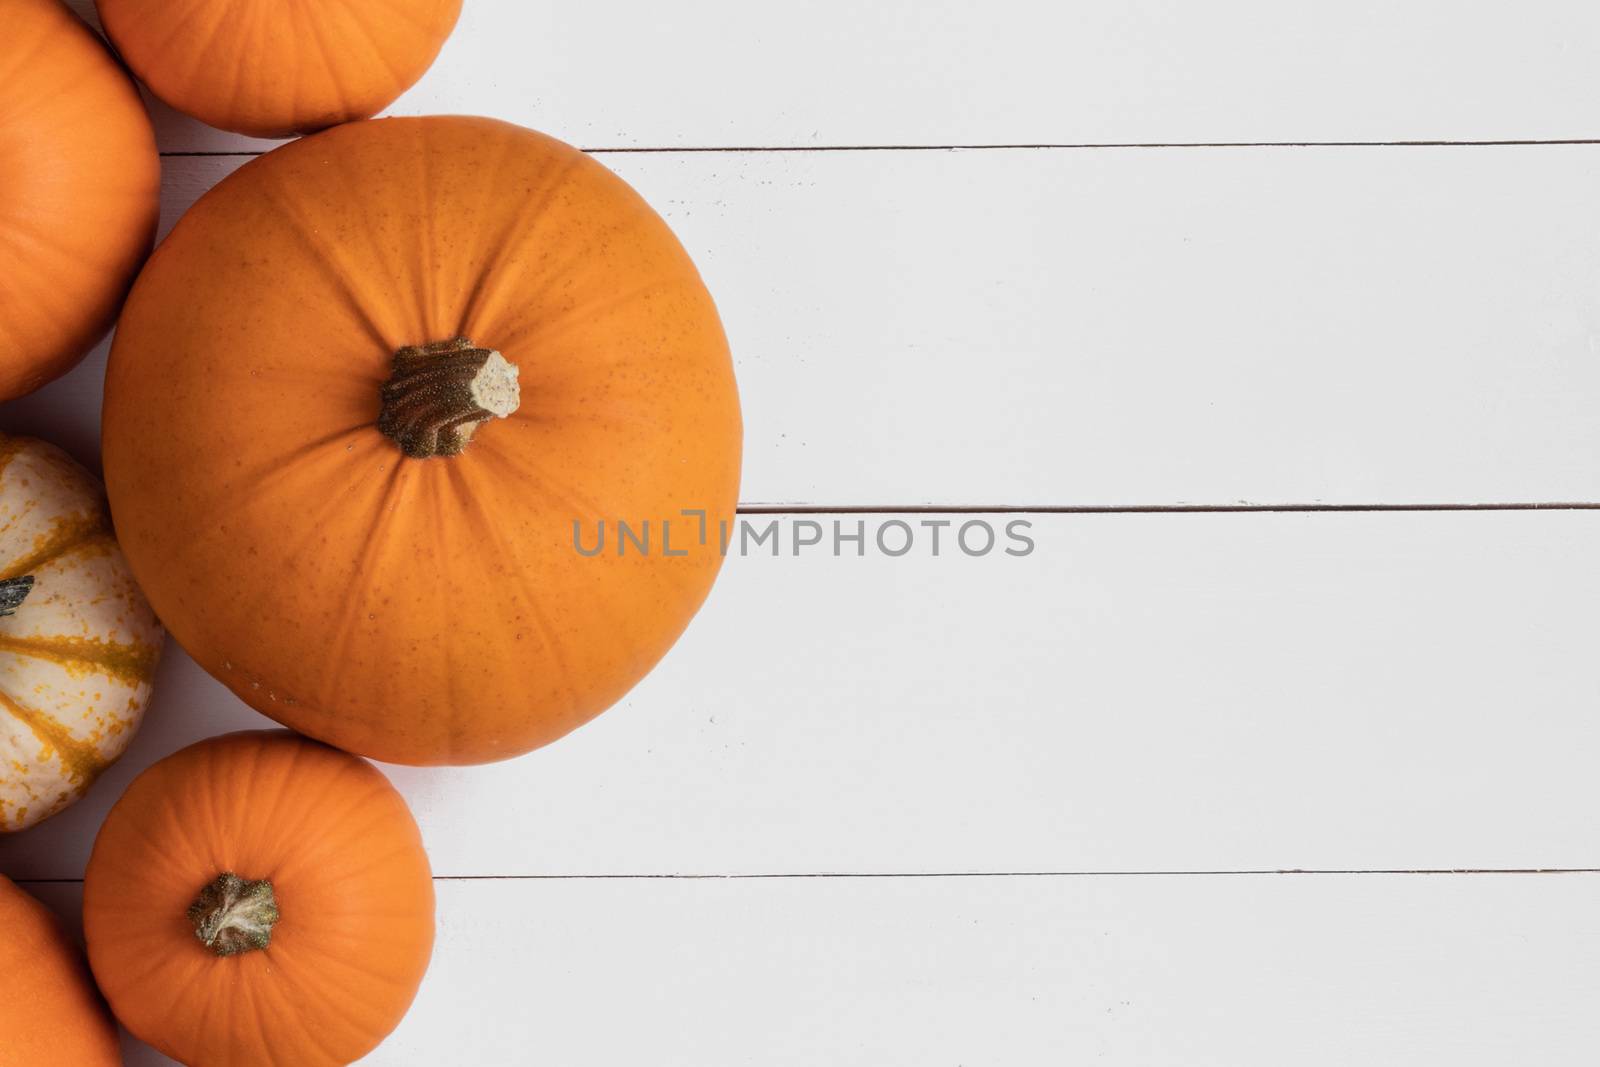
x=13 y=591
x=439 y=393
x=232 y=915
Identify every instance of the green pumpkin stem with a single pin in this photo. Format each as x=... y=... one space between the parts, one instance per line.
x=232 y=915
x=439 y=393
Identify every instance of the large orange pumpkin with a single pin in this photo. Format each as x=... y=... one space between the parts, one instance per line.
x=79 y=193
x=50 y=1013
x=287 y=392
x=258 y=898
x=271 y=68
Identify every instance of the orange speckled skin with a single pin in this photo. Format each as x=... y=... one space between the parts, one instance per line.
x=351 y=880
x=50 y=1014
x=420 y=610
x=271 y=68
x=80 y=183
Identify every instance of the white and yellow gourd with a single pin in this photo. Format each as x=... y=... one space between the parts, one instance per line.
x=78 y=643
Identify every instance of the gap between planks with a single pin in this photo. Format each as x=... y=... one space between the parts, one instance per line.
x=1139 y=509
x=848 y=875
x=1061 y=146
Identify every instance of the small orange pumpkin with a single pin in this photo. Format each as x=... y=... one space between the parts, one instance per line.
x=271 y=68
x=50 y=1014
x=259 y=899
x=81 y=191
x=287 y=413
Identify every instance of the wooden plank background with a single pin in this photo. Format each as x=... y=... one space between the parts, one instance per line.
x=720 y=73
x=945 y=810
x=1322 y=971
x=1144 y=692
x=1114 y=327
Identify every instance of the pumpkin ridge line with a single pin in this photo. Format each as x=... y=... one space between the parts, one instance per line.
x=130 y=662
x=212 y=28
x=478 y=278
x=524 y=227
x=81 y=760
x=65 y=539
x=26 y=59
x=335 y=267
x=315 y=808
x=473 y=510
x=427 y=283
x=270 y=477
x=41 y=237
x=400 y=13
x=178 y=27
x=568 y=497
x=349 y=961
x=347 y=621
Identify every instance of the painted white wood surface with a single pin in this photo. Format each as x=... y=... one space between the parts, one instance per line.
x=943 y=72
x=1110 y=327
x=1143 y=692
x=1218 y=971
x=1146 y=692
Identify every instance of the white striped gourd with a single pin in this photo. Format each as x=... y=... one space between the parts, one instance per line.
x=78 y=643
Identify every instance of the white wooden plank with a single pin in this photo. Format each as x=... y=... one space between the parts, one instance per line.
x=1127 y=327
x=832 y=72
x=1252 y=971
x=1143 y=692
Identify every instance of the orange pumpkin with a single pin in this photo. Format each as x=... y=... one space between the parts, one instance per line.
x=271 y=68
x=50 y=1014
x=81 y=191
x=286 y=421
x=258 y=898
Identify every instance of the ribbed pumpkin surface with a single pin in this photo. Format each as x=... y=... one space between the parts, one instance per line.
x=271 y=68
x=421 y=610
x=78 y=655
x=354 y=930
x=79 y=188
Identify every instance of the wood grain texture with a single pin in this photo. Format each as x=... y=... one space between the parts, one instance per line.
x=1321 y=971
x=1389 y=326
x=1212 y=327
x=1143 y=692
x=913 y=72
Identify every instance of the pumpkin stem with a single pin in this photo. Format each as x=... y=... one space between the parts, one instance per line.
x=439 y=393
x=13 y=591
x=232 y=915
